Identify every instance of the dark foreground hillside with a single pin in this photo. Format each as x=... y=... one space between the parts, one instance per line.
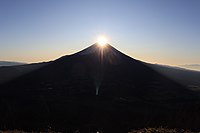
x=145 y=130
x=161 y=130
x=96 y=89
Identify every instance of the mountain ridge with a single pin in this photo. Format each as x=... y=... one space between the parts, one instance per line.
x=194 y=67
x=11 y=63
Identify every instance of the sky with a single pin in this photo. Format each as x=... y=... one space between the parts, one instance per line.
x=155 y=31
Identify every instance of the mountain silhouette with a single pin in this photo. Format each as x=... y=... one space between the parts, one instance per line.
x=98 y=88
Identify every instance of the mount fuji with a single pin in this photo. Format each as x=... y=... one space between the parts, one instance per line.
x=96 y=89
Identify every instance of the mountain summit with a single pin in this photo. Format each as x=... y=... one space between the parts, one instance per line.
x=96 y=88
x=96 y=48
x=107 y=53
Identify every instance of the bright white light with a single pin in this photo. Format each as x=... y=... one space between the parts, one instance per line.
x=102 y=41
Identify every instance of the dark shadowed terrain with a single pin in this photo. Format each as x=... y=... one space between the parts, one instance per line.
x=98 y=89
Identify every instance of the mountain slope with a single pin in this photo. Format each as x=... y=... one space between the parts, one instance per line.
x=97 y=88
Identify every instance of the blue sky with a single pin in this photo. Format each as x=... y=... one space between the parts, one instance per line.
x=156 y=31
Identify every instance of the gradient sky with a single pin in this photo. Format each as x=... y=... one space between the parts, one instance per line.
x=155 y=31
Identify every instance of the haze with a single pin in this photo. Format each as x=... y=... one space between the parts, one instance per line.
x=164 y=32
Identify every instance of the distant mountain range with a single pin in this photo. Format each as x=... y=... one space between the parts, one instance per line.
x=98 y=89
x=10 y=63
x=191 y=66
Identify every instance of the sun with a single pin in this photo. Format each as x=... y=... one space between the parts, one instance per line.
x=102 y=41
